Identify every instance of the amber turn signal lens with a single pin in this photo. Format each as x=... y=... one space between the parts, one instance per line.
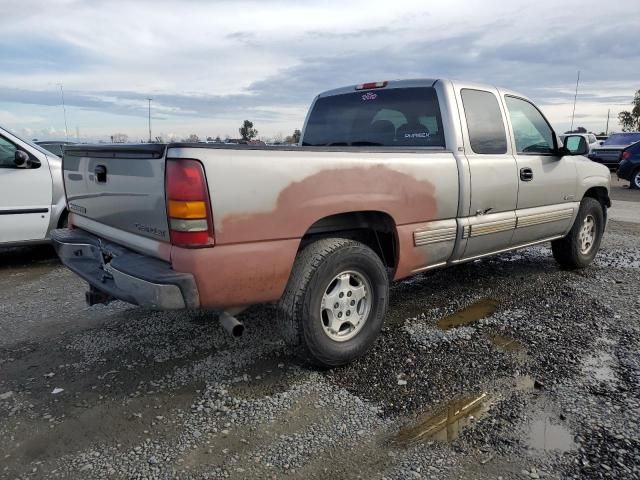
x=180 y=209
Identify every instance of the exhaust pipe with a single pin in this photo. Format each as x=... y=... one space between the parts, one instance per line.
x=231 y=325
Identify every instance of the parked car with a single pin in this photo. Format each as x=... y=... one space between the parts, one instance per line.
x=392 y=179
x=32 y=201
x=601 y=138
x=54 y=146
x=609 y=152
x=590 y=138
x=629 y=167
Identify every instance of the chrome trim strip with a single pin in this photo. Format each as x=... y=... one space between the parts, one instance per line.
x=523 y=245
x=479 y=229
x=427 y=237
x=540 y=218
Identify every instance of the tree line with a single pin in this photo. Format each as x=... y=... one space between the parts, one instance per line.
x=248 y=133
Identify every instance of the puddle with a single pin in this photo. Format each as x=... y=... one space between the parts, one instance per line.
x=599 y=367
x=506 y=344
x=472 y=313
x=446 y=423
x=546 y=434
x=509 y=345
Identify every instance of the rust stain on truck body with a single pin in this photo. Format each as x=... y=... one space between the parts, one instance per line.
x=255 y=252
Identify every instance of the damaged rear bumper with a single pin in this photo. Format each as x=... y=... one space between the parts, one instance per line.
x=122 y=274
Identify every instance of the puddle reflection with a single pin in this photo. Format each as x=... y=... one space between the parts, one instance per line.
x=472 y=313
x=446 y=423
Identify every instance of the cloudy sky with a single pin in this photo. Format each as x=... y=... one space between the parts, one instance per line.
x=210 y=64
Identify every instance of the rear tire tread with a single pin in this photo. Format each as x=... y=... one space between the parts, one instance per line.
x=292 y=307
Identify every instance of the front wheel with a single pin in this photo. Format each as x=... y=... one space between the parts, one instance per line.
x=335 y=301
x=580 y=246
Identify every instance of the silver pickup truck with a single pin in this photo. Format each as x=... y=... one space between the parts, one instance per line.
x=391 y=179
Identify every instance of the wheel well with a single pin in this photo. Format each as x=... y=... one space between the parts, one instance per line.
x=62 y=218
x=600 y=194
x=375 y=229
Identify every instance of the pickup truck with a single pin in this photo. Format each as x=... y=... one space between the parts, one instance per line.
x=391 y=179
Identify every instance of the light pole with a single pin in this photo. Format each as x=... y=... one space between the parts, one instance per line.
x=149 y=100
x=64 y=110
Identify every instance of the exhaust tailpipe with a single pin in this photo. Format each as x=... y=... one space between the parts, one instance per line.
x=231 y=324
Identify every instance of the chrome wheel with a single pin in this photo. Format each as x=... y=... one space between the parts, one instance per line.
x=635 y=180
x=345 y=306
x=587 y=235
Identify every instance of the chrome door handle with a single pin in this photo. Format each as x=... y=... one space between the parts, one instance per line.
x=526 y=174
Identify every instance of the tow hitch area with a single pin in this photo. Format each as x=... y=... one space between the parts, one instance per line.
x=93 y=296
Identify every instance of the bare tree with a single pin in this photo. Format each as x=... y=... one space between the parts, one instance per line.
x=119 y=138
x=193 y=138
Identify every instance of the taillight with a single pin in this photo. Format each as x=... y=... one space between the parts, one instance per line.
x=188 y=206
x=625 y=155
x=370 y=85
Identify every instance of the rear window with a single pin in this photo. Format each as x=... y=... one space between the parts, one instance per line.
x=622 y=139
x=400 y=117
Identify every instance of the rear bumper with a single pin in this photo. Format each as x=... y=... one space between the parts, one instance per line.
x=124 y=274
x=625 y=169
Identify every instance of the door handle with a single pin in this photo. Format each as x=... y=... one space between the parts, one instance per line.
x=526 y=174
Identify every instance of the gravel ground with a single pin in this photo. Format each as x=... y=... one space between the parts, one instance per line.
x=506 y=367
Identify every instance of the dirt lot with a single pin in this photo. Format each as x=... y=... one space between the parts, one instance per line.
x=502 y=368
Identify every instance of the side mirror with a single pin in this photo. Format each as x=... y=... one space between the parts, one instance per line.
x=23 y=160
x=575 y=145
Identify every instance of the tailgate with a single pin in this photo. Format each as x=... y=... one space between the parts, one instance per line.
x=119 y=186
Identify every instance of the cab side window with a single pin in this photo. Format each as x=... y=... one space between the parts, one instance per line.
x=532 y=133
x=484 y=122
x=7 y=153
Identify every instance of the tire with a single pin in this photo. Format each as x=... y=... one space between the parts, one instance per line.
x=63 y=221
x=575 y=250
x=340 y=271
x=634 y=182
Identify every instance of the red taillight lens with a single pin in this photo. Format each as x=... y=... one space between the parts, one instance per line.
x=188 y=206
x=625 y=155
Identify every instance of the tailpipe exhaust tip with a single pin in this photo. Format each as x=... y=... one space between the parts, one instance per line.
x=231 y=324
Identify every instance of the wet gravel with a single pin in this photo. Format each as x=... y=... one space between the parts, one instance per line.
x=146 y=394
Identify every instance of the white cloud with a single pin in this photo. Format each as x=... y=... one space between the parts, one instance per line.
x=196 y=57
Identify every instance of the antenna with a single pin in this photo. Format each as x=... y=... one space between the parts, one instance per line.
x=149 y=99
x=575 y=97
x=64 y=110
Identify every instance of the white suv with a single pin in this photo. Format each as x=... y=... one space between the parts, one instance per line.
x=32 y=201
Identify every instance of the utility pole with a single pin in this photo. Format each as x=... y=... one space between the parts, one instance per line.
x=607 y=130
x=149 y=99
x=575 y=97
x=64 y=110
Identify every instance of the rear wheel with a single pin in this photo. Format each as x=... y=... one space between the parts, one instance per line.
x=580 y=246
x=335 y=301
x=635 y=179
